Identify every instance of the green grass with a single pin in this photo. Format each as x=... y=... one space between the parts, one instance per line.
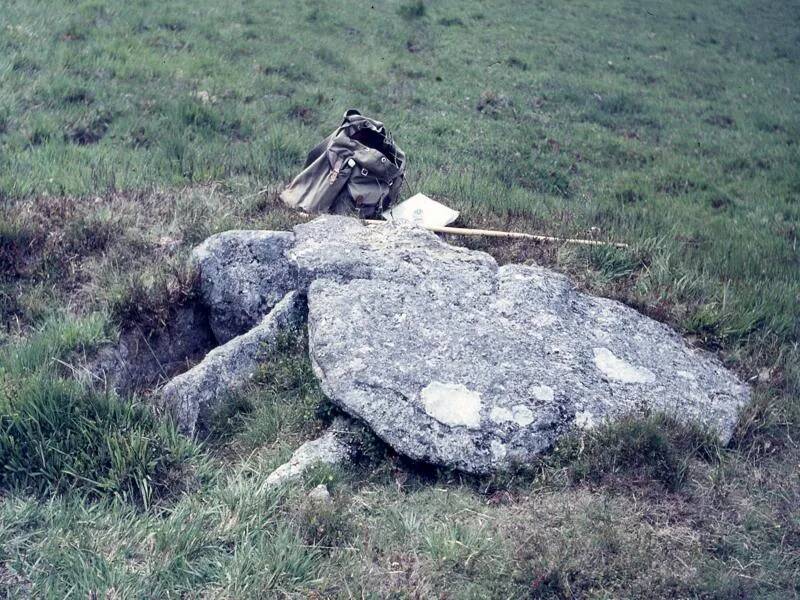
x=652 y=448
x=57 y=436
x=619 y=512
x=130 y=131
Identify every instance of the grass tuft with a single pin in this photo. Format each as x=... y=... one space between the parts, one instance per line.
x=147 y=299
x=15 y=240
x=412 y=9
x=56 y=436
x=326 y=525
x=89 y=129
x=284 y=397
x=635 y=450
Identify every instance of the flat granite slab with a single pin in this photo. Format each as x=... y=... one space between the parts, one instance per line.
x=480 y=368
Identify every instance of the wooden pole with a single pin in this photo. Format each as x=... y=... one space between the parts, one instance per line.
x=512 y=234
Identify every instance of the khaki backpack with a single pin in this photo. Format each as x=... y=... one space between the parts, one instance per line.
x=357 y=170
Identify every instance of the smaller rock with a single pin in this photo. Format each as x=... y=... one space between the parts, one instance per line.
x=331 y=448
x=320 y=494
x=243 y=274
x=194 y=396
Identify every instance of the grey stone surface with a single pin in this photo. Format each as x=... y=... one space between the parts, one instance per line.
x=331 y=448
x=193 y=396
x=320 y=494
x=243 y=274
x=341 y=249
x=455 y=362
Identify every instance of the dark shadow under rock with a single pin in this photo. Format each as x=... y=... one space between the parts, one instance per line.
x=142 y=360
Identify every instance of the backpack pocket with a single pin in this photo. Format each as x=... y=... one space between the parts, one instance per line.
x=371 y=185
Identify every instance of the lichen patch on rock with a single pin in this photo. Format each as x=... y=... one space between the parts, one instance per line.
x=619 y=370
x=452 y=404
x=520 y=414
x=543 y=392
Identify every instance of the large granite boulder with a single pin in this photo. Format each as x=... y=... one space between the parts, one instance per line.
x=454 y=361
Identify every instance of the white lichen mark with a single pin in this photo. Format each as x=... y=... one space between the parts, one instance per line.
x=619 y=370
x=452 y=404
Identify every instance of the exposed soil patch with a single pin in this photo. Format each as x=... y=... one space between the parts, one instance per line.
x=141 y=360
x=89 y=130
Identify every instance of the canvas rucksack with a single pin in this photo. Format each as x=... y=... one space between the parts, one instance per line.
x=357 y=170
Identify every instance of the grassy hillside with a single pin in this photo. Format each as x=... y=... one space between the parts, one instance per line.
x=129 y=131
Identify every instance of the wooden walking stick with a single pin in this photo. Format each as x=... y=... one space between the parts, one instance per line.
x=511 y=234
x=434 y=216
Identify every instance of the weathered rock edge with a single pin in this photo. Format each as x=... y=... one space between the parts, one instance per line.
x=193 y=397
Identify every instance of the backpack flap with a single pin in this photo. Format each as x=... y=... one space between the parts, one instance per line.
x=318 y=186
